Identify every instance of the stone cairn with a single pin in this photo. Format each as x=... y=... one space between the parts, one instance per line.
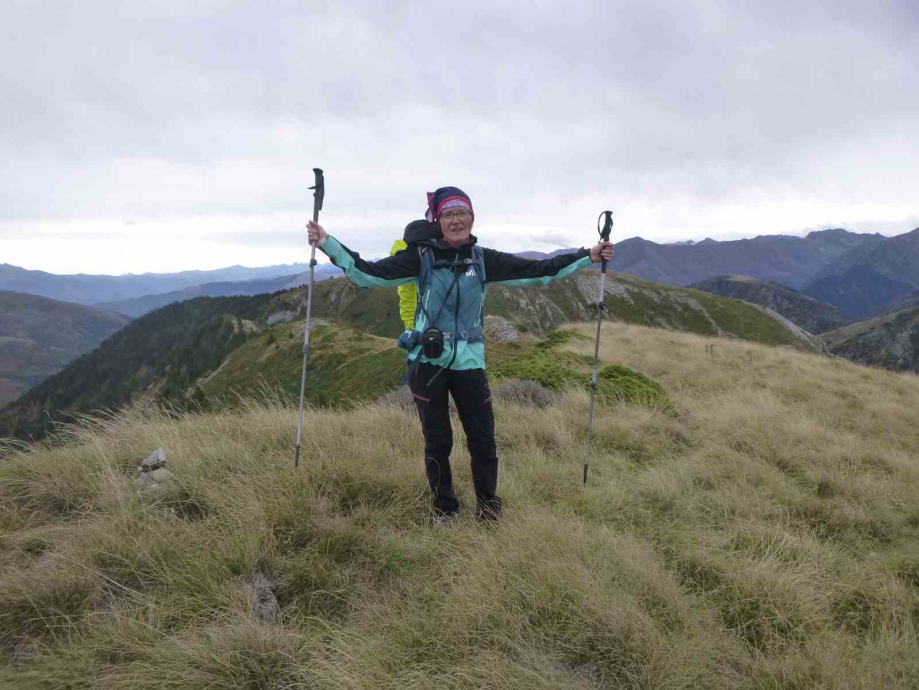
x=152 y=473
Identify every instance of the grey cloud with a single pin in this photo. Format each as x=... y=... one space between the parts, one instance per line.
x=555 y=238
x=696 y=66
x=159 y=109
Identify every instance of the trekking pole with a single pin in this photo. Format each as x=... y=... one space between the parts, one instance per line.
x=317 y=206
x=607 y=219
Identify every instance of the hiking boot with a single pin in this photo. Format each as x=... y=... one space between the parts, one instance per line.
x=445 y=520
x=488 y=511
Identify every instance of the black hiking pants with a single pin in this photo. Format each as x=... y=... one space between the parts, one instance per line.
x=472 y=396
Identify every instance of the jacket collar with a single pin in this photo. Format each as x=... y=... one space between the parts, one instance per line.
x=442 y=244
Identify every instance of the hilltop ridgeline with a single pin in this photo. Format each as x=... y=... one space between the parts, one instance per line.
x=810 y=314
x=174 y=354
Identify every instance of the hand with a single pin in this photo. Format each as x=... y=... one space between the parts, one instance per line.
x=317 y=235
x=602 y=251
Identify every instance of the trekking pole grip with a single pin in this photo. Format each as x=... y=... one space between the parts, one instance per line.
x=318 y=194
x=604 y=227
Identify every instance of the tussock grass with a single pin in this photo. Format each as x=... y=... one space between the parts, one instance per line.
x=760 y=532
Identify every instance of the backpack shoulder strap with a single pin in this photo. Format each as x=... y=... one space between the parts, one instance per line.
x=478 y=254
x=426 y=261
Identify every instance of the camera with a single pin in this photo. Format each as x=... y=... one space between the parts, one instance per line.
x=432 y=342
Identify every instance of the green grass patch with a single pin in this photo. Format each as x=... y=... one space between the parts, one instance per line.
x=556 y=369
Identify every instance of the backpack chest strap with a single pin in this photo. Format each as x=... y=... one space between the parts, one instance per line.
x=411 y=338
x=473 y=335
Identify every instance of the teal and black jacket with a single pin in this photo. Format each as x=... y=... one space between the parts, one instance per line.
x=500 y=269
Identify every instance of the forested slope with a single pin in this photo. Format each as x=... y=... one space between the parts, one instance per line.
x=39 y=336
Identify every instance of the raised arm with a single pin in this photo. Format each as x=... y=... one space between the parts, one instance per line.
x=508 y=269
x=399 y=269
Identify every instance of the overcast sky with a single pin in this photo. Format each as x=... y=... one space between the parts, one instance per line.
x=166 y=136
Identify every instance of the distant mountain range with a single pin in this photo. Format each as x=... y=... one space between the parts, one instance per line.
x=856 y=273
x=861 y=282
x=138 y=306
x=791 y=261
x=40 y=336
x=93 y=289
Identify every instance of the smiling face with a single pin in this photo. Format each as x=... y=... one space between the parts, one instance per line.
x=456 y=225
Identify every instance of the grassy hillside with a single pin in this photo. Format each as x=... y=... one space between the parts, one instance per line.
x=345 y=365
x=810 y=314
x=39 y=336
x=762 y=535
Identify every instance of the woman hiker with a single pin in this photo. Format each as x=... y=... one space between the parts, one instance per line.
x=446 y=346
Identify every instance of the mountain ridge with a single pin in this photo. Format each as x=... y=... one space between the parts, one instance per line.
x=865 y=279
x=167 y=352
x=89 y=289
x=138 y=306
x=784 y=259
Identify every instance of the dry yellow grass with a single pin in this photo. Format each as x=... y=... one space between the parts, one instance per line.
x=762 y=536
